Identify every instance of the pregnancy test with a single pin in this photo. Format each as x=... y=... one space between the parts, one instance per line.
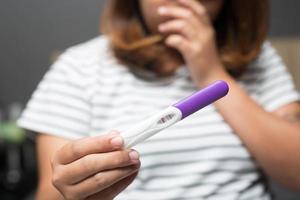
x=174 y=113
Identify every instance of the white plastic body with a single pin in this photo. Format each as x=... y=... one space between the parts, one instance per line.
x=151 y=126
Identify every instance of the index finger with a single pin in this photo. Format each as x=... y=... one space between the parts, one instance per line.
x=196 y=7
x=77 y=149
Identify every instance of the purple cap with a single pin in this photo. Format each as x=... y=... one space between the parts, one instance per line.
x=202 y=98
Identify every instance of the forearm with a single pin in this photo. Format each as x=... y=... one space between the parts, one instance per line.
x=272 y=141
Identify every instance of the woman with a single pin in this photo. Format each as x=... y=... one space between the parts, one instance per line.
x=153 y=53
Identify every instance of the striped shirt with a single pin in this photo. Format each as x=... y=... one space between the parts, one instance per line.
x=87 y=92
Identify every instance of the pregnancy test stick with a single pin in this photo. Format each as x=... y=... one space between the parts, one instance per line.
x=174 y=113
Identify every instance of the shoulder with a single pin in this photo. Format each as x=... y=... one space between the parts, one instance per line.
x=267 y=64
x=88 y=59
x=270 y=79
x=98 y=46
x=268 y=59
x=90 y=52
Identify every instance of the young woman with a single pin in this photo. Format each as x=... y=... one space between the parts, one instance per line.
x=153 y=53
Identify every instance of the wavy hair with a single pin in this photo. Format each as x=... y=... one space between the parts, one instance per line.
x=241 y=28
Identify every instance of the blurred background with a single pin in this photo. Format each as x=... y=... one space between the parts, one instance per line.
x=33 y=32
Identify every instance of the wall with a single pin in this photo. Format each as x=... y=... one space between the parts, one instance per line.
x=31 y=30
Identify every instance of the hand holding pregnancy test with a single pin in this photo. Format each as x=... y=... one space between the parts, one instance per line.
x=174 y=113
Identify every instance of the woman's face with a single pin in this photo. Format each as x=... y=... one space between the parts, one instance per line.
x=149 y=9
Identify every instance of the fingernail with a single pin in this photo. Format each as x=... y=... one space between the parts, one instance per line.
x=117 y=141
x=134 y=155
x=137 y=164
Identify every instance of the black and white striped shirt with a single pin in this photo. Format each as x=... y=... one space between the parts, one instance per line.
x=86 y=92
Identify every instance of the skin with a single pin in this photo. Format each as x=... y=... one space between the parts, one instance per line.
x=270 y=137
x=94 y=168
x=153 y=19
x=89 y=168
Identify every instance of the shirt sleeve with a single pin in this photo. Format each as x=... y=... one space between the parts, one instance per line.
x=276 y=86
x=59 y=106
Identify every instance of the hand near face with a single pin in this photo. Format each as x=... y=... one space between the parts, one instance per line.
x=190 y=31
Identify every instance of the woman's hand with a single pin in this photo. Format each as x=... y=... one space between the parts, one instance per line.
x=94 y=168
x=190 y=31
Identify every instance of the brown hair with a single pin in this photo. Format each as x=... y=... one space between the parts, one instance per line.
x=241 y=29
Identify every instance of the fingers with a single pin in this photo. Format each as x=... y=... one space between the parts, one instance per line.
x=88 y=166
x=174 y=11
x=91 y=145
x=178 y=42
x=177 y=26
x=101 y=181
x=187 y=9
x=184 y=22
x=94 y=163
x=196 y=7
x=114 y=190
